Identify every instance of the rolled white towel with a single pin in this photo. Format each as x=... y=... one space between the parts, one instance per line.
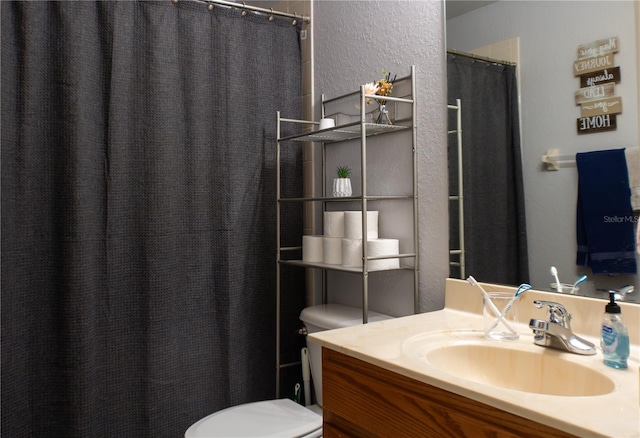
x=312 y=248
x=353 y=224
x=332 y=250
x=333 y=224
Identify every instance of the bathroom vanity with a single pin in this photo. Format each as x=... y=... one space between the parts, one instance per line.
x=435 y=374
x=366 y=400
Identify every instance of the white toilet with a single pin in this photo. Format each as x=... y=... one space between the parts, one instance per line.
x=284 y=418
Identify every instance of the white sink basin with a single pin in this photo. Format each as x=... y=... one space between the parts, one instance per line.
x=511 y=365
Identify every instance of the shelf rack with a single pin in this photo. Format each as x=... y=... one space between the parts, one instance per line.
x=459 y=197
x=359 y=129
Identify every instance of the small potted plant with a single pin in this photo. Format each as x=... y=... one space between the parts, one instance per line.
x=342 y=184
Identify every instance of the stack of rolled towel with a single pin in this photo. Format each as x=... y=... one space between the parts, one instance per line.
x=341 y=243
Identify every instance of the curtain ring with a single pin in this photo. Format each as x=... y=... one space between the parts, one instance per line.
x=294 y=22
x=243 y=13
x=175 y=2
x=270 y=16
x=210 y=7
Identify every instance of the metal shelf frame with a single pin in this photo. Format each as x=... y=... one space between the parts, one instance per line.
x=459 y=197
x=360 y=129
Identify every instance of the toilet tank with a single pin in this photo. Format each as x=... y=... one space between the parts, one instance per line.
x=327 y=317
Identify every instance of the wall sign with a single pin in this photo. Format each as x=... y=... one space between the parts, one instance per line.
x=599 y=48
x=612 y=105
x=587 y=65
x=597 y=94
x=600 y=77
x=588 y=125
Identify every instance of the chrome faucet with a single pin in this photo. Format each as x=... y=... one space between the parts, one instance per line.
x=619 y=293
x=556 y=332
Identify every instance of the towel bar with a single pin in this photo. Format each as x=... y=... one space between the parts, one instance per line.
x=554 y=161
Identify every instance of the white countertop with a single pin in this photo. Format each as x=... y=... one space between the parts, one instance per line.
x=616 y=414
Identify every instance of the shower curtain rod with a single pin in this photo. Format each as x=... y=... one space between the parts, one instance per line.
x=478 y=57
x=246 y=7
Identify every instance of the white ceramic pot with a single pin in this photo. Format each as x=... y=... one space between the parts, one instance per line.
x=341 y=187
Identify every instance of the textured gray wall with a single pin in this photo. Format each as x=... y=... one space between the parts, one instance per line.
x=353 y=42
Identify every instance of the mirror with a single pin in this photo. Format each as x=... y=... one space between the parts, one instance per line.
x=548 y=35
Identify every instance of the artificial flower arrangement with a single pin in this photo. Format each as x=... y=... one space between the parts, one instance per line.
x=382 y=87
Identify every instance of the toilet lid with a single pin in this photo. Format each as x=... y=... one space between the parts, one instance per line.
x=272 y=418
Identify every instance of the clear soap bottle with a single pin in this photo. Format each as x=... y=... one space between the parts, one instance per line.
x=614 y=336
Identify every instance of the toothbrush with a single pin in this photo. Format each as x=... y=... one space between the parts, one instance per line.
x=472 y=281
x=521 y=289
x=578 y=281
x=554 y=272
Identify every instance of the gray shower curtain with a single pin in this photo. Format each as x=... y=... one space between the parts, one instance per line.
x=494 y=212
x=138 y=213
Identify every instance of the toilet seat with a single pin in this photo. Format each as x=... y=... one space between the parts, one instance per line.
x=273 y=418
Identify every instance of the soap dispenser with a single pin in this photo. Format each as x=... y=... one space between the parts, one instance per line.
x=614 y=335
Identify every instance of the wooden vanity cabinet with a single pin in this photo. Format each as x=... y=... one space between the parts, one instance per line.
x=364 y=400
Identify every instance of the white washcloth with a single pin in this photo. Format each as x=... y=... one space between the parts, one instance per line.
x=633 y=168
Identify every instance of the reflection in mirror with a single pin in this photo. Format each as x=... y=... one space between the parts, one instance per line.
x=490 y=192
x=547 y=36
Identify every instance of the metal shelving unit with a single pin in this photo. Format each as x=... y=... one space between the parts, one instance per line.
x=360 y=129
x=345 y=132
x=459 y=196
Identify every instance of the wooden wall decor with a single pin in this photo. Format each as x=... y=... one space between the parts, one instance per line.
x=599 y=48
x=601 y=123
x=597 y=94
x=612 y=105
x=582 y=66
x=600 y=77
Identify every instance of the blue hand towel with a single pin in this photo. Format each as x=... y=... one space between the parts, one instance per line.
x=604 y=216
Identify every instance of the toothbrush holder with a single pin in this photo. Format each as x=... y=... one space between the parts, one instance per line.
x=502 y=327
x=565 y=288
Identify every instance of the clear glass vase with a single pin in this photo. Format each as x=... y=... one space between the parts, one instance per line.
x=383 y=116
